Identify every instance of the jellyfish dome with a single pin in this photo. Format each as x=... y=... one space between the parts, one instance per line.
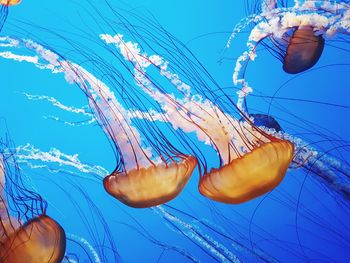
x=303 y=51
x=41 y=239
x=250 y=176
x=150 y=186
x=295 y=35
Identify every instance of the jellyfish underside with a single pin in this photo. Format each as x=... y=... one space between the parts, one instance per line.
x=41 y=239
x=303 y=51
x=9 y=2
x=249 y=176
x=151 y=186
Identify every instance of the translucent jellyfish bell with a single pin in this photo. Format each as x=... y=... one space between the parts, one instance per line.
x=41 y=239
x=155 y=185
x=249 y=176
x=303 y=51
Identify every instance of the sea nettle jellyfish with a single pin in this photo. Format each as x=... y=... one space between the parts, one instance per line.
x=295 y=35
x=150 y=170
x=40 y=238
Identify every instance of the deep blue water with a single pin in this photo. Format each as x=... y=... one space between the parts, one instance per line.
x=302 y=220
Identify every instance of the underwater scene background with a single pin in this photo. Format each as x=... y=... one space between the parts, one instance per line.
x=60 y=134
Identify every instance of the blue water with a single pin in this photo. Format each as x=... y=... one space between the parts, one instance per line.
x=300 y=221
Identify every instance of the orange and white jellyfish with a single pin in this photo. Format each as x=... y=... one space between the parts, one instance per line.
x=252 y=162
x=150 y=170
x=295 y=35
x=40 y=238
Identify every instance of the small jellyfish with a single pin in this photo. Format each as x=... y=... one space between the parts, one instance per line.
x=264 y=120
x=295 y=35
x=303 y=51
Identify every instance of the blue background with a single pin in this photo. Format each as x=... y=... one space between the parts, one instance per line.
x=270 y=223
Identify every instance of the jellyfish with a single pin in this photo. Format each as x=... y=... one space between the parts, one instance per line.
x=149 y=171
x=150 y=186
x=39 y=238
x=142 y=183
x=295 y=35
x=303 y=51
x=146 y=179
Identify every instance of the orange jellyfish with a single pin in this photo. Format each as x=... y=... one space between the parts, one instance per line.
x=150 y=170
x=41 y=239
x=151 y=186
x=249 y=176
x=295 y=35
x=303 y=51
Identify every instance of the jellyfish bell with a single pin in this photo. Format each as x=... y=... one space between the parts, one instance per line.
x=151 y=186
x=9 y=2
x=303 y=51
x=249 y=176
x=41 y=239
x=294 y=34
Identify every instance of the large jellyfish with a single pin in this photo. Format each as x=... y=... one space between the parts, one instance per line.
x=39 y=238
x=150 y=171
